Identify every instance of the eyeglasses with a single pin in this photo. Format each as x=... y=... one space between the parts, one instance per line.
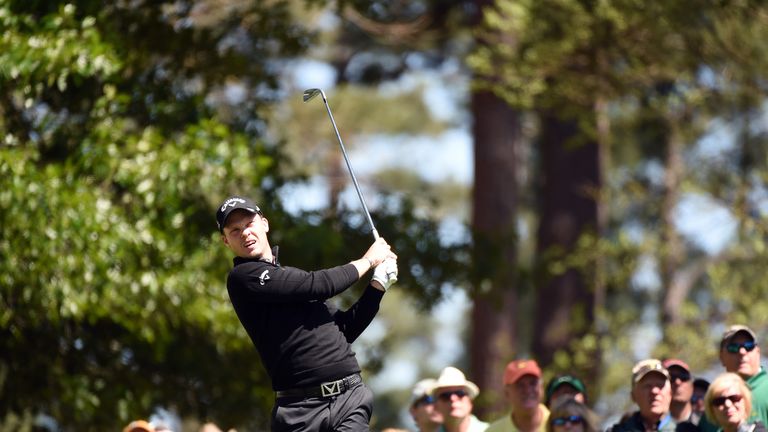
x=425 y=400
x=720 y=401
x=734 y=347
x=683 y=376
x=561 y=421
x=446 y=396
x=696 y=398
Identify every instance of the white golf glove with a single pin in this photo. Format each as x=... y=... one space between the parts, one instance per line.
x=386 y=273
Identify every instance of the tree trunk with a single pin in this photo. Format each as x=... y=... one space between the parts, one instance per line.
x=571 y=181
x=672 y=248
x=496 y=132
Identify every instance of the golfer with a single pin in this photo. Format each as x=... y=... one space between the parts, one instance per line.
x=304 y=343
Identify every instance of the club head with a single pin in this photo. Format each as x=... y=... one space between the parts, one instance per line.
x=311 y=93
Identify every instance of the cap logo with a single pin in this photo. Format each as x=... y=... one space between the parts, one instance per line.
x=521 y=365
x=231 y=203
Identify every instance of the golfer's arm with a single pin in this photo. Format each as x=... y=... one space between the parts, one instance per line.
x=354 y=320
x=362 y=265
x=287 y=284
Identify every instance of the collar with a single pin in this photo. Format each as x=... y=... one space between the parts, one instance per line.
x=275 y=249
x=659 y=425
x=664 y=421
x=752 y=381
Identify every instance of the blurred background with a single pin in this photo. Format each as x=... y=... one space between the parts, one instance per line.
x=577 y=181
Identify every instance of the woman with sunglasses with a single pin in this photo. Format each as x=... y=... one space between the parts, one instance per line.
x=728 y=402
x=570 y=415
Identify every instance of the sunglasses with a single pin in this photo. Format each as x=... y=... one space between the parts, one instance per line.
x=720 y=401
x=734 y=347
x=561 y=421
x=426 y=400
x=682 y=376
x=696 y=398
x=446 y=396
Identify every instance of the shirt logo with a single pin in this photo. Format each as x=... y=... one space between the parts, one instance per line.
x=264 y=277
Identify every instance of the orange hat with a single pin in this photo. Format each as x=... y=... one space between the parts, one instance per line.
x=139 y=426
x=516 y=369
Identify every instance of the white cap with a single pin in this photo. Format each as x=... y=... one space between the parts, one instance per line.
x=452 y=377
x=421 y=389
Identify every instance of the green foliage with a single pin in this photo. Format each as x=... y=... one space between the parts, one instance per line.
x=738 y=286
x=63 y=48
x=112 y=280
x=117 y=144
x=662 y=72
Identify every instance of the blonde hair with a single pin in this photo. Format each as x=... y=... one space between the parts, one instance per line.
x=565 y=406
x=719 y=385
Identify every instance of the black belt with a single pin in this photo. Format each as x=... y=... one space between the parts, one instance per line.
x=326 y=389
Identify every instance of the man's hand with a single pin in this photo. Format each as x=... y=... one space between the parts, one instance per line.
x=385 y=274
x=376 y=254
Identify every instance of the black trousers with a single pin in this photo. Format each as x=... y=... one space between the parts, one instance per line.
x=346 y=412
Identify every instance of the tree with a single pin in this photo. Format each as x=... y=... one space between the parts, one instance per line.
x=497 y=138
x=577 y=64
x=123 y=127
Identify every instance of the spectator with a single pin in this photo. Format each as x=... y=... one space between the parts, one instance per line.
x=565 y=385
x=422 y=407
x=210 y=427
x=571 y=415
x=728 y=403
x=523 y=392
x=453 y=400
x=740 y=354
x=682 y=390
x=139 y=426
x=652 y=393
x=700 y=386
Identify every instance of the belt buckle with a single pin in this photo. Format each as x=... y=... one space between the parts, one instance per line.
x=331 y=388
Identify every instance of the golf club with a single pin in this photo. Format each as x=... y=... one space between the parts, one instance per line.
x=308 y=95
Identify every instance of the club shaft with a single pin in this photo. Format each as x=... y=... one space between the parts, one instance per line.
x=349 y=167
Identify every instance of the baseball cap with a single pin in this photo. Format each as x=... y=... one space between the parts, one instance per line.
x=231 y=204
x=421 y=389
x=516 y=369
x=668 y=363
x=139 y=426
x=701 y=383
x=452 y=377
x=563 y=380
x=645 y=367
x=733 y=331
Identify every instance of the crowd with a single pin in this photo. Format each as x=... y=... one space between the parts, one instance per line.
x=160 y=426
x=666 y=395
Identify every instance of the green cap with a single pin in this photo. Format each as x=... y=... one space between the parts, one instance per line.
x=565 y=379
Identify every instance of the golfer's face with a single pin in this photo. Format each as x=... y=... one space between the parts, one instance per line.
x=246 y=234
